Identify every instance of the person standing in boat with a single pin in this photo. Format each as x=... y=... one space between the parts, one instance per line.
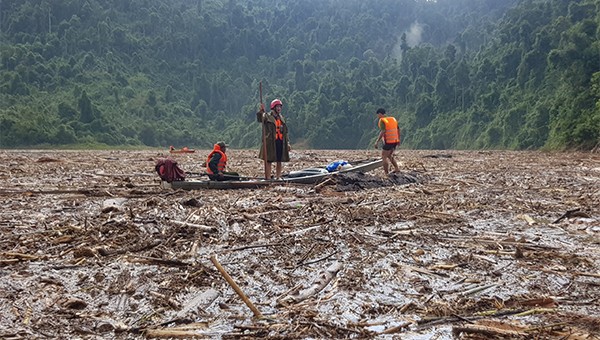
x=216 y=162
x=275 y=141
x=390 y=133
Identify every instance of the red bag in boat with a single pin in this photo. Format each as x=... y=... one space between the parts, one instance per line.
x=168 y=170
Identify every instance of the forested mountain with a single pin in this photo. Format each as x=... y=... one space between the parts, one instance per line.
x=456 y=73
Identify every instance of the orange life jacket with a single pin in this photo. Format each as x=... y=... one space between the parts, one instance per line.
x=278 y=133
x=391 y=134
x=222 y=162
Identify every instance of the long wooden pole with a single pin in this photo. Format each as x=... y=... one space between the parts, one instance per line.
x=235 y=287
x=264 y=134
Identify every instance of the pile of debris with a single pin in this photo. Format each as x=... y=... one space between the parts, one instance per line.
x=355 y=181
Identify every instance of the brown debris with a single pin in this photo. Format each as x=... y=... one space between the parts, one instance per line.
x=480 y=244
x=74 y=303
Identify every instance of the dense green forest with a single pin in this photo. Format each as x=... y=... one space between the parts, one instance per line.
x=462 y=74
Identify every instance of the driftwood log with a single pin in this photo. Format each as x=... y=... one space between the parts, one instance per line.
x=318 y=285
x=235 y=287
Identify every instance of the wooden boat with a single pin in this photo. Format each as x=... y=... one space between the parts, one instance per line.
x=208 y=184
x=306 y=176
x=185 y=149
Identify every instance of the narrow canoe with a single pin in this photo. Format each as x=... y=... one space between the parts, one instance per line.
x=185 y=149
x=364 y=165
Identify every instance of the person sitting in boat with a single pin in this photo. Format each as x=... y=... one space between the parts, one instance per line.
x=216 y=164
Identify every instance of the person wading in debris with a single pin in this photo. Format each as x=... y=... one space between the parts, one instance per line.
x=276 y=144
x=216 y=163
x=390 y=133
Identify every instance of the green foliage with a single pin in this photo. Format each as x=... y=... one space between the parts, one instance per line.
x=86 y=110
x=456 y=74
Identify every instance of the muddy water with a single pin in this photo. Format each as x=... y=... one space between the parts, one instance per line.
x=93 y=247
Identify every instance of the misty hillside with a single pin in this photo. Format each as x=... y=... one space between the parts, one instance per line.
x=456 y=73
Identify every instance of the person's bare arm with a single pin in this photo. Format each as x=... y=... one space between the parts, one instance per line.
x=379 y=138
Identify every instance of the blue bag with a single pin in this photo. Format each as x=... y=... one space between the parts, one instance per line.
x=335 y=166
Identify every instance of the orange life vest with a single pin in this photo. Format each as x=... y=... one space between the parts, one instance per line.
x=222 y=162
x=278 y=133
x=391 y=134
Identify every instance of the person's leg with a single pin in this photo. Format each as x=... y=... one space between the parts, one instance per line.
x=278 y=156
x=278 y=170
x=385 y=157
x=393 y=160
x=394 y=164
x=231 y=176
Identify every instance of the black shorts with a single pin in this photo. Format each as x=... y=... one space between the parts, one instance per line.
x=278 y=150
x=390 y=146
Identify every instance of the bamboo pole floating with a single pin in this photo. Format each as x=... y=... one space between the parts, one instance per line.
x=197 y=226
x=235 y=287
x=488 y=331
x=477 y=289
x=537 y=311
